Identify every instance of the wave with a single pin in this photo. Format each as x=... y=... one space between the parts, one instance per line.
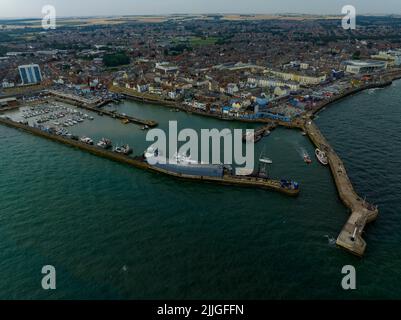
x=331 y=240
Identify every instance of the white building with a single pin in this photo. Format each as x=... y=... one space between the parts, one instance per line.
x=393 y=57
x=6 y=84
x=263 y=82
x=232 y=88
x=300 y=78
x=166 y=67
x=364 y=66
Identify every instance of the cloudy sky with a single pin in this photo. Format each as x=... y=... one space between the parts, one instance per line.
x=32 y=8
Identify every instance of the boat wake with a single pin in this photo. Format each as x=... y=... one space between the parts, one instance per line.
x=373 y=90
x=331 y=241
x=302 y=152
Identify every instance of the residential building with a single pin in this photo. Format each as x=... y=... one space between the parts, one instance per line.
x=30 y=74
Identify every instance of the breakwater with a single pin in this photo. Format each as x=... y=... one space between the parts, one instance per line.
x=362 y=212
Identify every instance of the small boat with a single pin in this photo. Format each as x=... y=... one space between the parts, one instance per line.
x=86 y=140
x=266 y=133
x=105 y=143
x=145 y=127
x=303 y=133
x=125 y=149
x=322 y=157
x=289 y=184
x=265 y=160
x=307 y=159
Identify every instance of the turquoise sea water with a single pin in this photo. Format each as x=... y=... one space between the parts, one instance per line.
x=114 y=232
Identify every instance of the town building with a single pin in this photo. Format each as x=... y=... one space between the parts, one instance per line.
x=392 y=57
x=364 y=66
x=30 y=74
x=300 y=78
x=166 y=67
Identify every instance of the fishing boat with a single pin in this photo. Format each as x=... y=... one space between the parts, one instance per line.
x=124 y=149
x=322 y=157
x=289 y=184
x=86 y=140
x=104 y=143
x=145 y=127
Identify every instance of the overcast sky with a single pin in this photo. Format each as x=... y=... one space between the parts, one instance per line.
x=32 y=8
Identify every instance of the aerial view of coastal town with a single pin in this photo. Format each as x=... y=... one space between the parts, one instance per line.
x=200 y=150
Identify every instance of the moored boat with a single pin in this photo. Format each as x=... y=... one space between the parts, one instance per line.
x=124 y=149
x=322 y=157
x=104 y=143
x=182 y=165
x=86 y=140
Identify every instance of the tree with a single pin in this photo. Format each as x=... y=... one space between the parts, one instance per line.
x=356 y=55
x=116 y=59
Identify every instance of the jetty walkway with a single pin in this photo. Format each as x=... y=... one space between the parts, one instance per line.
x=362 y=213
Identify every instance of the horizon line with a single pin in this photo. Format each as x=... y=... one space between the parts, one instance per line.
x=196 y=14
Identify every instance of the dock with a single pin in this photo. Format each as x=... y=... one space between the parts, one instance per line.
x=138 y=162
x=143 y=97
x=350 y=237
x=96 y=107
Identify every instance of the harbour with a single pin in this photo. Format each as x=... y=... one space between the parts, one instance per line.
x=97 y=108
x=225 y=222
x=154 y=156
x=362 y=212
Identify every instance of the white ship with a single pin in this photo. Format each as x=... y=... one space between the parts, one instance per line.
x=322 y=157
x=182 y=164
